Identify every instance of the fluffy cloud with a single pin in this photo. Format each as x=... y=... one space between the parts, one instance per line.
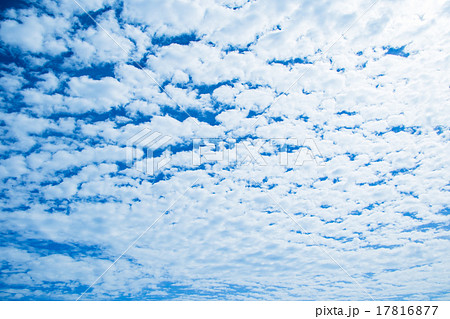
x=367 y=85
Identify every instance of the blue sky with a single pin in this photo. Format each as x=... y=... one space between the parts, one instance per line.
x=369 y=85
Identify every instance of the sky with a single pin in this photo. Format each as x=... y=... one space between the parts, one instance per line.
x=224 y=150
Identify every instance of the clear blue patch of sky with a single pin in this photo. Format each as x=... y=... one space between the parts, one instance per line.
x=46 y=247
x=16 y=4
x=290 y=62
x=399 y=51
x=182 y=39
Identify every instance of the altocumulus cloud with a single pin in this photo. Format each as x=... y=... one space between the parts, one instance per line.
x=368 y=84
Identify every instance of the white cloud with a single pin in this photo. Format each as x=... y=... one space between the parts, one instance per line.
x=26 y=35
x=379 y=205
